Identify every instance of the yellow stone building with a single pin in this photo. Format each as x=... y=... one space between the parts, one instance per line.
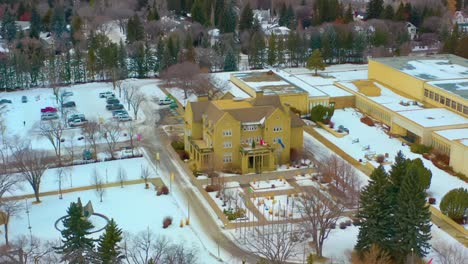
x=247 y=135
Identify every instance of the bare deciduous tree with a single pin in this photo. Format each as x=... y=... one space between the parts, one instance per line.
x=120 y=85
x=447 y=253
x=111 y=132
x=61 y=173
x=31 y=164
x=129 y=91
x=145 y=174
x=71 y=148
x=98 y=184
x=36 y=250
x=135 y=101
x=374 y=255
x=276 y=243
x=131 y=130
x=186 y=76
x=319 y=213
x=53 y=131
x=3 y=128
x=7 y=210
x=91 y=132
x=121 y=176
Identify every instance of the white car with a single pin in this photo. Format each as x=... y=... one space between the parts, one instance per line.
x=165 y=101
x=123 y=118
x=106 y=94
x=77 y=122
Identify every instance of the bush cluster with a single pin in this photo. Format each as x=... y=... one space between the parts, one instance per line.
x=167 y=221
x=367 y=120
x=420 y=148
x=234 y=214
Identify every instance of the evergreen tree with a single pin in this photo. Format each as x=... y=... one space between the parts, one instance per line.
x=400 y=13
x=315 y=61
x=290 y=18
x=388 y=13
x=58 y=21
x=283 y=19
x=108 y=248
x=454 y=204
x=122 y=60
x=374 y=9
x=271 y=59
x=246 y=18
x=198 y=13
x=424 y=175
x=280 y=53
x=257 y=51
x=135 y=30
x=218 y=12
x=230 y=61
x=228 y=21
x=153 y=14
x=375 y=207
x=412 y=215
x=451 y=43
x=75 y=229
x=349 y=16
x=158 y=66
x=35 y=28
x=8 y=29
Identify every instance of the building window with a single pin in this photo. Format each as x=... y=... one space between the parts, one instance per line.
x=442 y=100
x=465 y=109
x=447 y=102
x=426 y=93
x=436 y=97
x=454 y=105
x=227 y=158
x=275 y=139
x=227 y=144
x=431 y=94
x=249 y=127
x=227 y=132
x=459 y=107
x=277 y=129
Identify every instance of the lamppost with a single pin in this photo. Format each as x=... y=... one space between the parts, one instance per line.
x=412 y=255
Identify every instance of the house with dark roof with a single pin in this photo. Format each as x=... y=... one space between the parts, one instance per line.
x=241 y=135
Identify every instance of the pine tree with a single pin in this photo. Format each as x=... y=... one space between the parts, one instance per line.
x=400 y=13
x=8 y=29
x=58 y=21
x=349 y=16
x=280 y=53
x=246 y=18
x=315 y=61
x=122 y=58
x=412 y=215
x=290 y=18
x=257 y=51
x=218 y=12
x=108 y=248
x=75 y=229
x=230 y=61
x=159 y=64
x=271 y=59
x=198 y=14
x=388 y=13
x=375 y=207
x=35 y=28
x=283 y=19
x=228 y=21
x=135 y=30
x=374 y=9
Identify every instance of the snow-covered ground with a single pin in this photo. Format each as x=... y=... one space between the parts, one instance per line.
x=234 y=197
x=133 y=208
x=270 y=185
x=82 y=175
x=279 y=207
x=381 y=143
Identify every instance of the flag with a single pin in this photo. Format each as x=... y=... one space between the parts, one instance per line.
x=430 y=261
x=262 y=142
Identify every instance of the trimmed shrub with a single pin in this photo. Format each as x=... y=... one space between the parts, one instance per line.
x=454 y=203
x=367 y=120
x=167 y=221
x=164 y=190
x=432 y=200
x=178 y=145
x=420 y=148
x=332 y=225
x=349 y=222
x=320 y=113
x=380 y=158
x=343 y=225
x=183 y=155
x=233 y=215
x=211 y=188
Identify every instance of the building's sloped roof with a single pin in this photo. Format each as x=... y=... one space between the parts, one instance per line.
x=267 y=100
x=296 y=121
x=213 y=113
x=198 y=109
x=253 y=114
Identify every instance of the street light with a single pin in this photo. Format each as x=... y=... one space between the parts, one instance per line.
x=412 y=255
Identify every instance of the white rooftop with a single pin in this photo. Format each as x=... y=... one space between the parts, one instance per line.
x=454 y=134
x=333 y=91
x=457 y=87
x=222 y=81
x=434 y=117
x=306 y=86
x=464 y=142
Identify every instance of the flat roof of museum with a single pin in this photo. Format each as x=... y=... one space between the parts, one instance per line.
x=431 y=67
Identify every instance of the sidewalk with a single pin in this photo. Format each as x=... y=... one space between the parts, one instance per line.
x=439 y=219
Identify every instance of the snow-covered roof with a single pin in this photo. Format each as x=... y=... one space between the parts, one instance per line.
x=304 y=86
x=333 y=91
x=453 y=134
x=222 y=81
x=434 y=67
x=434 y=117
x=278 y=84
x=458 y=87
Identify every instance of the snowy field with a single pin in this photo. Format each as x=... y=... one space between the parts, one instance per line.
x=234 y=195
x=270 y=185
x=442 y=182
x=82 y=175
x=280 y=207
x=133 y=208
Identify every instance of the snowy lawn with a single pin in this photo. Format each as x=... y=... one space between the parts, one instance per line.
x=270 y=185
x=442 y=182
x=82 y=175
x=133 y=208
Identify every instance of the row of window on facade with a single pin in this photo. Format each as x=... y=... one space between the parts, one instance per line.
x=441 y=146
x=446 y=101
x=249 y=140
x=374 y=112
x=228 y=132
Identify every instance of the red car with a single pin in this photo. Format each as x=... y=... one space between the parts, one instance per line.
x=49 y=109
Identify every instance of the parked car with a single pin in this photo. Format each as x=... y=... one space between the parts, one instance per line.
x=69 y=104
x=5 y=101
x=105 y=94
x=117 y=112
x=24 y=99
x=77 y=122
x=123 y=118
x=112 y=101
x=67 y=93
x=77 y=116
x=166 y=101
x=49 y=116
x=49 y=109
x=114 y=106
